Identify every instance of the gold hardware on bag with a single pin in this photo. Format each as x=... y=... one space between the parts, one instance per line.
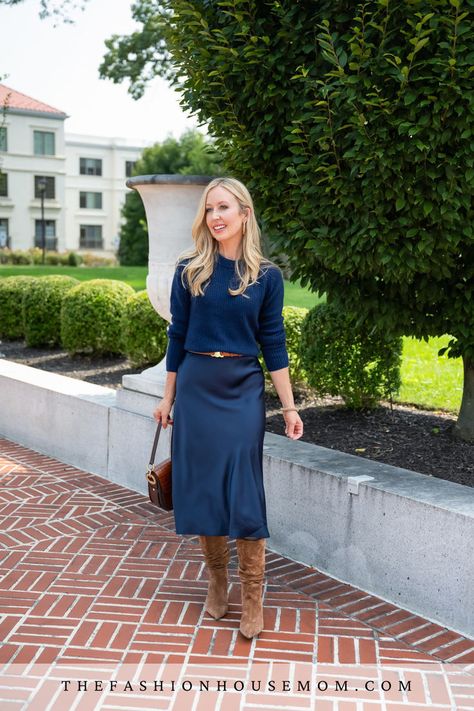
x=151 y=478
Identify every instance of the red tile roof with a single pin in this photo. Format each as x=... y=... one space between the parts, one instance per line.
x=17 y=100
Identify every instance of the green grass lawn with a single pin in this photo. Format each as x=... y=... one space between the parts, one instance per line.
x=295 y=295
x=427 y=380
x=135 y=276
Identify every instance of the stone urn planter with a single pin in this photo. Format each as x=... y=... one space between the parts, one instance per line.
x=170 y=204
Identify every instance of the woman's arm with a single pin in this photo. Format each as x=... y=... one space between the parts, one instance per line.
x=180 y=303
x=179 y=307
x=281 y=381
x=293 y=422
x=170 y=387
x=272 y=340
x=161 y=414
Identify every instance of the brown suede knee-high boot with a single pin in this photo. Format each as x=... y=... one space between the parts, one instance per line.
x=217 y=554
x=251 y=555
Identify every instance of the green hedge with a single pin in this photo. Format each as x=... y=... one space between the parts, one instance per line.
x=42 y=309
x=361 y=365
x=144 y=331
x=326 y=351
x=91 y=317
x=12 y=290
x=35 y=256
x=293 y=317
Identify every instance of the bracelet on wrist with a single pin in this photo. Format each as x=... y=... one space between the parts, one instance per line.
x=288 y=409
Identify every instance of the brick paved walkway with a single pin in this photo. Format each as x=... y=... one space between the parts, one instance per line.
x=94 y=581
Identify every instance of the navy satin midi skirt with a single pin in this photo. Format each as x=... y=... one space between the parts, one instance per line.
x=217 y=447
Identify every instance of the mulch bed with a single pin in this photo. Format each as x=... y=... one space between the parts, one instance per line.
x=403 y=436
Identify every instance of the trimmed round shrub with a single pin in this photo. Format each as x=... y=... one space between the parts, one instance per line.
x=5 y=255
x=20 y=257
x=74 y=259
x=42 y=309
x=144 y=331
x=11 y=309
x=52 y=258
x=293 y=317
x=91 y=316
x=36 y=255
x=95 y=260
x=362 y=364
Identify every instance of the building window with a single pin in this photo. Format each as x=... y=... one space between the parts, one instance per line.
x=50 y=233
x=3 y=185
x=49 y=193
x=4 y=236
x=90 y=236
x=90 y=166
x=90 y=200
x=129 y=168
x=44 y=143
x=3 y=138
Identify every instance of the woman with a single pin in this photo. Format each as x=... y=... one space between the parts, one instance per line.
x=226 y=299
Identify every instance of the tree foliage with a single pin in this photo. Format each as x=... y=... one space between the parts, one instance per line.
x=190 y=154
x=353 y=124
x=141 y=56
x=365 y=112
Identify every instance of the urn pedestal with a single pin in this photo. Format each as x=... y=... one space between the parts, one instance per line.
x=170 y=204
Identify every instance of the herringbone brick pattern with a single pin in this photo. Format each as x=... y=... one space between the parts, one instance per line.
x=93 y=580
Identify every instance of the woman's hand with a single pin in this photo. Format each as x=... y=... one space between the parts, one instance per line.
x=162 y=413
x=294 y=424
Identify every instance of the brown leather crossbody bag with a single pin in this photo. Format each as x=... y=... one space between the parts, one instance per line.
x=159 y=478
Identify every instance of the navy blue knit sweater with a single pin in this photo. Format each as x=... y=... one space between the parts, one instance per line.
x=218 y=321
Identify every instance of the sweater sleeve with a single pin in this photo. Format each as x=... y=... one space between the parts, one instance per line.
x=179 y=306
x=271 y=335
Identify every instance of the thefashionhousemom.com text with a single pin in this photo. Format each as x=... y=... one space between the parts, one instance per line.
x=332 y=685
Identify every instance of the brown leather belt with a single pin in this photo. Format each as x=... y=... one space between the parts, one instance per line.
x=217 y=354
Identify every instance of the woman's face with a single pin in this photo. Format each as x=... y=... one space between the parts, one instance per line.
x=223 y=216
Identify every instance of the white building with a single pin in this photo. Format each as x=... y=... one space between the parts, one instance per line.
x=96 y=171
x=83 y=178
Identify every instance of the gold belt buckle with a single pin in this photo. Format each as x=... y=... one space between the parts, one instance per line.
x=217 y=354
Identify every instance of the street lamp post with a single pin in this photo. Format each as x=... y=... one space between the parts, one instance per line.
x=42 y=190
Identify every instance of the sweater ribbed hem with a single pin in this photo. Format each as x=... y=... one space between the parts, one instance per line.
x=174 y=355
x=276 y=359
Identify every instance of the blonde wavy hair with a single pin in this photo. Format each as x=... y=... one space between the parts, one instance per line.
x=202 y=257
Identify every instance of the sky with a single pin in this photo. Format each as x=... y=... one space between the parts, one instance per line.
x=59 y=66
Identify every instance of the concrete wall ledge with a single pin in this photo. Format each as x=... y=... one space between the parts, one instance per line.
x=397 y=534
x=421 y=488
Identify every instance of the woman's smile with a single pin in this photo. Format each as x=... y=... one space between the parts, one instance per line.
x=220 y=201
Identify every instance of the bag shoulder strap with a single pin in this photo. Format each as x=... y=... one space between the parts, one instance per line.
x=155 y=444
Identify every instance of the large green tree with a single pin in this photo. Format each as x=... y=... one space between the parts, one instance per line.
x=190 y=154
x=353 y=123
